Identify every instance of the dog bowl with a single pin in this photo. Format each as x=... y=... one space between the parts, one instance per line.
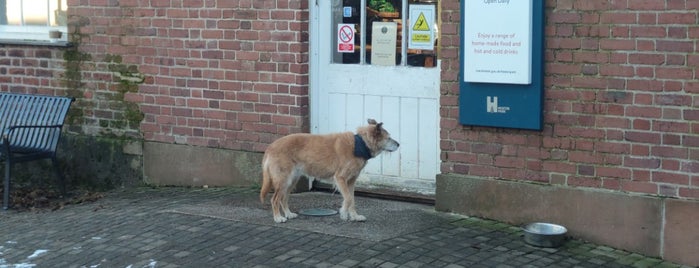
x=542 y=234
x=318 y=212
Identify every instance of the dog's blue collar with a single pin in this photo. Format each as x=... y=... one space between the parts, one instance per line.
x=360 y=148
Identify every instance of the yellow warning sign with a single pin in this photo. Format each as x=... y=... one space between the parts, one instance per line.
x=421 y=23
x=421 y=31
x=421 y=38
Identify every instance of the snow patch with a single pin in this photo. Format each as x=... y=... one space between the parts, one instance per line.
x=37 y=253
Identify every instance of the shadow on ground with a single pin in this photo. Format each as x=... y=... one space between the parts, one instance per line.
x=385 y=219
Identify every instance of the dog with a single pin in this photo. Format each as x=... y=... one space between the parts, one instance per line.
x=338 y=156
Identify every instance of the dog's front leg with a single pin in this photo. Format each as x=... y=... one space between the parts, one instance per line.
x=346 y=187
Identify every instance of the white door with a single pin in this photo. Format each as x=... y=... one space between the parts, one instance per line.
x=346 y=89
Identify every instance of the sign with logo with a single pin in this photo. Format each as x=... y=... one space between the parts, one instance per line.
x=422 y=27
x=502 y=66
x=493 y=107
x=345 y=38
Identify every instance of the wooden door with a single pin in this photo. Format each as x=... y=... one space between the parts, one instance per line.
x=344 y=93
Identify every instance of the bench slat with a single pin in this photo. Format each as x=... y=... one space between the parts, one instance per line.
x=34 y=137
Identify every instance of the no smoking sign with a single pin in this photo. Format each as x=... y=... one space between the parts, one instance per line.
x=345 y=38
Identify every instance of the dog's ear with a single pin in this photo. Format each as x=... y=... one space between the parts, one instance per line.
x=371 y=121
x=377 y=130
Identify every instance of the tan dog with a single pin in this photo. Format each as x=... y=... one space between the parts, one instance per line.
x=340 y=156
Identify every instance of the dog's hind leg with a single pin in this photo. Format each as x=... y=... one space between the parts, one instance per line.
x=348 y=211
x=285 y=206
x=285 y=175
x=293 y=177
x=278 y=176
x=277 y=201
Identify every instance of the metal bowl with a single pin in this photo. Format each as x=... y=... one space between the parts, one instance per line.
x=542 y=234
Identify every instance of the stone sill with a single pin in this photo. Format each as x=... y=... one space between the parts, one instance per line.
x=35 y=43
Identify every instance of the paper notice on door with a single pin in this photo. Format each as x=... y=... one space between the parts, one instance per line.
x=383 y=43
x=422 y=27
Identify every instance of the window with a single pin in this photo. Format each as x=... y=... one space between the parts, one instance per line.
x=387 y=32
x=33 y=20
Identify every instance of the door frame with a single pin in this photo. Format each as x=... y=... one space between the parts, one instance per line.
x=420 y=187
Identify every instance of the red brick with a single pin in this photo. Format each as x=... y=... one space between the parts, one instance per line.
x=677 y=32
x=616 y=70
x=639 y=187
x=644 y=162
x=643 y=137
x=647 y=58
x=647 y=31
x=673 y=99
x=687 y=192
x=613 y=172
x=198 y=103
x=677 y=18
x=647 y=112
x=584 y=182
x=693 y=32
x=671 y=165
x=691 y=141
x=589 y=82
x=284 y=120
x=672 y=139
x=667 y=177
x=674 y=73
x=509 y=162
x=646 y=5
x=484 y=171
x=675 y=46
x=616 y=17
x=563 y=43
x=595 y=5
x=669 y=152
x=556 y=18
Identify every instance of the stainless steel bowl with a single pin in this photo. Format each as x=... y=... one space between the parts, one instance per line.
x=542 y=234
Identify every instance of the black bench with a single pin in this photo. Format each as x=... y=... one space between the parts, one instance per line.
x=30 y=126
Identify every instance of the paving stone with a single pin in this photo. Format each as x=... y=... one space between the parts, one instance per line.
x=136 y=227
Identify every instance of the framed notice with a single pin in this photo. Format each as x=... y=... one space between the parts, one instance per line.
x=383 y=43
x=497 y=41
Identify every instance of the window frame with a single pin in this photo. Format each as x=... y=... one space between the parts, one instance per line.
x=28 y=34
x=404 y=53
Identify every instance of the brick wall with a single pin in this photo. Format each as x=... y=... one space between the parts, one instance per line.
x=30 y=69
x=621 y=102
x=228 y=74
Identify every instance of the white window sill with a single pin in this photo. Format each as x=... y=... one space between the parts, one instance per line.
x=59 y=43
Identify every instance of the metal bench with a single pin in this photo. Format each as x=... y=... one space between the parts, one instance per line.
x=30 y=126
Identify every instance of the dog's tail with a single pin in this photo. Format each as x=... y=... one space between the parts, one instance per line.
x=266 y=180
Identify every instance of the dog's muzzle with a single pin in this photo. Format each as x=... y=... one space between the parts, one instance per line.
x=391 y=145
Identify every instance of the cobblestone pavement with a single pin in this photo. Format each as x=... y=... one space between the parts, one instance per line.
x=141 y=228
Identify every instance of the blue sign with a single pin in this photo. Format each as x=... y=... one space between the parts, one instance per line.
x=502 y=64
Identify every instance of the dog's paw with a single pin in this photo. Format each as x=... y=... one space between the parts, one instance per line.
x=279 y=219
x=351 y=216
x=291 y=215
x=357 y=217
